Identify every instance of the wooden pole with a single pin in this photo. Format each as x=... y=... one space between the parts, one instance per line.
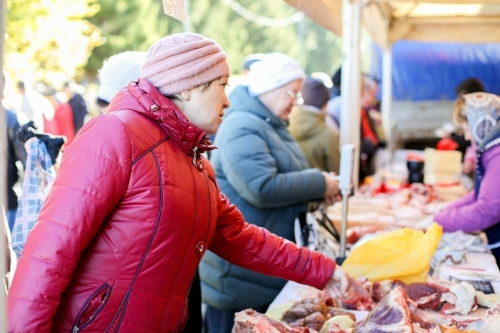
x=3 y=176
x=351 y=85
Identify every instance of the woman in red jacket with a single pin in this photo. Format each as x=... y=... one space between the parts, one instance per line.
x=135 y=206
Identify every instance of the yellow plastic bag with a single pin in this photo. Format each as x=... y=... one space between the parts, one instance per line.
x=403 y=255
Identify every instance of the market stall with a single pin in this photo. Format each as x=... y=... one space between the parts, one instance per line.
x=458 y=296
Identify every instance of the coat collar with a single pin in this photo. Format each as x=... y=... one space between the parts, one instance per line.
x=190 y=138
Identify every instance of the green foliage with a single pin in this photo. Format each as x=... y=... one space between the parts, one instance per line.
x=127 y=25
x=135 y=25
x=23 y=17
x=48 y=40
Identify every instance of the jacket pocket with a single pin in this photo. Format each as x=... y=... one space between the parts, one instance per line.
x=93 y=306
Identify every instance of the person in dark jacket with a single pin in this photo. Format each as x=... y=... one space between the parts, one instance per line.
x=78 y=106
x=319 y=143
x=263 y=171
x=15 y=153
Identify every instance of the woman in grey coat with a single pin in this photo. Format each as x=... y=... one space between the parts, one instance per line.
x=262 y=170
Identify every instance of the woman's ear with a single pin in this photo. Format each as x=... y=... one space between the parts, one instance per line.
x=186 y=95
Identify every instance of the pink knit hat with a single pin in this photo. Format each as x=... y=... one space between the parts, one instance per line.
x=183 y=61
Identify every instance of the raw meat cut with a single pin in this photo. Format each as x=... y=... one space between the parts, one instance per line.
x=356 y=297
x=418 y=329
x=250 y=321
x=391 y=315
x=422 y=321
x=487 y=324
x=459 y=298
x=423 y=295
x=466 y=299
x=381 y=289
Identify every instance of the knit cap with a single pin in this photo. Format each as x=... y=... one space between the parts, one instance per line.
x=117 y=72
x=273 y=71
x=315 y=93
x=184 y=61
x=250 y=59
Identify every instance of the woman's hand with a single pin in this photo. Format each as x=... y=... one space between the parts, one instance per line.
x=331 y=194
x=338 y=284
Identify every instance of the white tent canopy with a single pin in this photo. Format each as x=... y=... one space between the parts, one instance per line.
x=326 y=13
x=475 y=21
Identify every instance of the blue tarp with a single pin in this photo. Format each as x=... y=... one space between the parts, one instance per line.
x=432 y=71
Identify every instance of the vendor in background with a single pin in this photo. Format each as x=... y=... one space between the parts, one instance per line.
x=370 y=141
x=263 y=171
x=319 y=143
x=135 y=206
x=468 y=86
x=480 y=209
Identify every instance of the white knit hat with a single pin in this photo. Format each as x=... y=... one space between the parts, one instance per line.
x=117 y=72
x=273 y=71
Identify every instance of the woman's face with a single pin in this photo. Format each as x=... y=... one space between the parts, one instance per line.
x=280 y=101
x=204 y=106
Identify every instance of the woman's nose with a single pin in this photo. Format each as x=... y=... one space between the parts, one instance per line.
x=227 y=104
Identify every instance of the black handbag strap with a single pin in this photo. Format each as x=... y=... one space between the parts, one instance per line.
x=304 y=229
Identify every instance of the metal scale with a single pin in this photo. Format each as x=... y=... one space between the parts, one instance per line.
x=345 y=180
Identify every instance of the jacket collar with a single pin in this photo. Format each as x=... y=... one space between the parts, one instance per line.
x=152 y=104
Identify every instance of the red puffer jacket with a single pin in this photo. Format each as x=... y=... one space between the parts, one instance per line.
x=126 y=223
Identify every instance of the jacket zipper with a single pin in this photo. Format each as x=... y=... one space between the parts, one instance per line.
x=195 y=149
x=127 y=295
x=208 y=227
x=209 y=207
x=76 y=329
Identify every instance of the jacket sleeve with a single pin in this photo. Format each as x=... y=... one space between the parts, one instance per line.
x=92 y=178
x=252 y=171
x=257 y=249
x=471 y=215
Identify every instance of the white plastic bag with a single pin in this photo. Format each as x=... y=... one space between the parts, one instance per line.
x=316 y=232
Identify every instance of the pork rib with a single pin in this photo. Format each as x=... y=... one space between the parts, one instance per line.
x=391 y=315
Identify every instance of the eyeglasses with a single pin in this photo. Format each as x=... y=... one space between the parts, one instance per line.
x=295 y=96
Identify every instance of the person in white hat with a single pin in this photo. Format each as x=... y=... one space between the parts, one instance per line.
x=116 y=73
x=263 y=171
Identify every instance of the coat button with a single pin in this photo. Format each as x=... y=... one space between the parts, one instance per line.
x=200 y=247
x=154 y=107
